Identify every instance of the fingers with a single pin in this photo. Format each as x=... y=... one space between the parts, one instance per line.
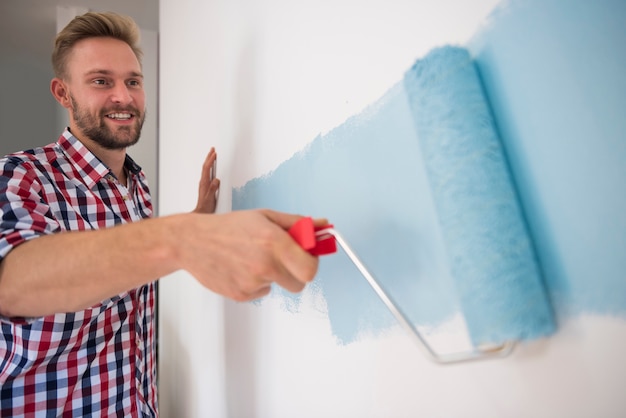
x=286 y=220
x=209 y=165
x=209 y=185
x=285 y=262
x=240 y=254
x=240 y=295
x=295 y=266
x=300 y=266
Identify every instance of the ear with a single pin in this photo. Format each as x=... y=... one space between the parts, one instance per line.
x=60 y=92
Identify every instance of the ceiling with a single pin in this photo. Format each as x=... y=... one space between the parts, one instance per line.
x=30 y=25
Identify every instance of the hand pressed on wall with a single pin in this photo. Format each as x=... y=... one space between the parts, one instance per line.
x=208 y=189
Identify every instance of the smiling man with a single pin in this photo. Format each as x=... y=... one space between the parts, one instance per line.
x=102 y=88
x=80 y=252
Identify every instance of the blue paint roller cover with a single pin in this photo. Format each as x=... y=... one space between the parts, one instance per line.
x=490 y=251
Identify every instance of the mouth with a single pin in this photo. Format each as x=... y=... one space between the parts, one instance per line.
x=120 y=116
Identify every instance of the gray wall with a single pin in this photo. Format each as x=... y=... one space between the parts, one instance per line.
x=27 y=109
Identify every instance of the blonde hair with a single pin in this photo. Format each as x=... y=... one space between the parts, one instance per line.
x=93 y=25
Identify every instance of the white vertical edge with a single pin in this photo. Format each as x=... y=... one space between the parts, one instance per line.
x=192 y=97
x=145 y=152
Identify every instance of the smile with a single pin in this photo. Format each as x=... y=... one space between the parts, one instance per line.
x=119 y=116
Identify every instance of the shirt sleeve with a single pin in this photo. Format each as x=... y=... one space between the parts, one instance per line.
x=24 y=215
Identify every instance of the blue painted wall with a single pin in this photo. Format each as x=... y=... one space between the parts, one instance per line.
x=365 y=176
x=553 y=72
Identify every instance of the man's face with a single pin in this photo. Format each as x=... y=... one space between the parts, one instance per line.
x=105 y=87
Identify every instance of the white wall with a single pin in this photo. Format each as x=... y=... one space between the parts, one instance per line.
x=259 y=80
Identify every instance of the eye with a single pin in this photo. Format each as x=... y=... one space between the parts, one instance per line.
x=134 y=83
x=100 y=82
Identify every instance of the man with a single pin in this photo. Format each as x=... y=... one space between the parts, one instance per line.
x=79 y=254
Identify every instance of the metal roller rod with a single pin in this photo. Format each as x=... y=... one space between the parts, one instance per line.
x=477 y=354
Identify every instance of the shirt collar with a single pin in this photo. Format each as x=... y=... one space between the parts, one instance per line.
x=91 y=169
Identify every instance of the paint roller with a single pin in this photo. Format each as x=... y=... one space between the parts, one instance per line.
x=489 y=248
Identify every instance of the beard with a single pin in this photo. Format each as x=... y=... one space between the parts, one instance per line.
x=95 y=128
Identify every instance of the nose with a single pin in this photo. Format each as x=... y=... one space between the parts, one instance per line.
x=121 y=94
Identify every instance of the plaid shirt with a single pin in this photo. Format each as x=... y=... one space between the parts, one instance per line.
x=96 y=362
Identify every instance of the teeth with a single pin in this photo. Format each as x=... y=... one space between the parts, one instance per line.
x=122 y=116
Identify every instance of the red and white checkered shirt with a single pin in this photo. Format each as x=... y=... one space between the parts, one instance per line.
x=96 y=362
